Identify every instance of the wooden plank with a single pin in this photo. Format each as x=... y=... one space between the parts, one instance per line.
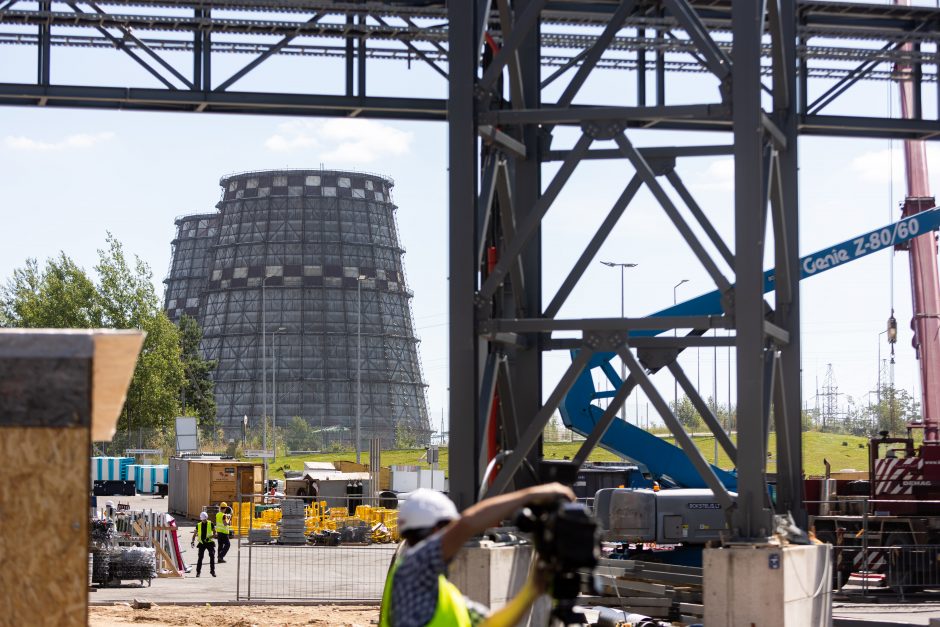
x=169 y=566
x=116 y=354
x=44 y=583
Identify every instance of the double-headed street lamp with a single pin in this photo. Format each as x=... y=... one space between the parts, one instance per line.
x=623 y=367
x=264 y=374
x=359 y=281
x=277 y=332
x=675 y=384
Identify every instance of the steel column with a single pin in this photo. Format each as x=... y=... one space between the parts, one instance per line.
x=462 y=136
x=787 y=316
x=525 y=365
x=751 y=519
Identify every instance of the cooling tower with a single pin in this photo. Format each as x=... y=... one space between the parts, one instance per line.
x=189 y=269
x=300 y=276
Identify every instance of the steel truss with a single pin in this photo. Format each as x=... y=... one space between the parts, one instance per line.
x=500 y=326
x=785 y=71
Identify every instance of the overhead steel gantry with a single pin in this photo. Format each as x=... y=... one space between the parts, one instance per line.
x=779 y=68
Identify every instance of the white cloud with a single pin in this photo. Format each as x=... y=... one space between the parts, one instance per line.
x=78 y=141
x=876 y=166
x=341 y=140
x=717 y=175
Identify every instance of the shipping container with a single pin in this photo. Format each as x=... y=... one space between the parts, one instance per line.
x=197 y=484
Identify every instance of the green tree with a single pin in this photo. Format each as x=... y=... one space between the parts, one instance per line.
x=688 y=416
x=198 y=388
x=62 y=295
x=300 y=436
x=896 y=408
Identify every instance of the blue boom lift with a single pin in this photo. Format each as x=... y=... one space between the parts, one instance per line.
x=667 y=463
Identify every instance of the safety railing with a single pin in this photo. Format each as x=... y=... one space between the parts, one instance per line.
x=332 y=548
x=913 y=568
x=873 y=550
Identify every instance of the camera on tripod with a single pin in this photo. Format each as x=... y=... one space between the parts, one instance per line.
x=568 y=547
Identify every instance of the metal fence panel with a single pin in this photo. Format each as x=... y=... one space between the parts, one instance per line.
x=913 y=568
x=343 y=573
x=277 y=560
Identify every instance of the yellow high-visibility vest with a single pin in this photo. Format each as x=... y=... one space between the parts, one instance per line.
x=220 y=525
x=451 y=610
x=204 y=532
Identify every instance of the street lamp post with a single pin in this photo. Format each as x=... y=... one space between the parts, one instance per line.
x=264 y=379
x=879 y=367
x=623 y=367
x=274 y=341
x=675 y=384
x=359 y=281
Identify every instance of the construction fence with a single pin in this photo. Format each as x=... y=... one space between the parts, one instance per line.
x=904 y=569
x=872 y=551
x=293 y=548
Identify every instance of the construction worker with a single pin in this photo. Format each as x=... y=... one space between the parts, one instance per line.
x=204 y=532
x=223 y=519
x=417 y=591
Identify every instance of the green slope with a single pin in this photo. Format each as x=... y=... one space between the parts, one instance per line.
x=816 y=447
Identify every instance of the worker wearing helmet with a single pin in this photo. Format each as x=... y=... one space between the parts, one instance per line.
x=417 y=591
x=204 y=532
x=223 y=519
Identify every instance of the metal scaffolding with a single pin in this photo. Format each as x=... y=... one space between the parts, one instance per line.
x=299 y=277
x=773 y=75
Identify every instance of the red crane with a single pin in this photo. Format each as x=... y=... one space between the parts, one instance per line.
x=911 y=474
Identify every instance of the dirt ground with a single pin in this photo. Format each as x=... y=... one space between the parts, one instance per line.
x=235 y=616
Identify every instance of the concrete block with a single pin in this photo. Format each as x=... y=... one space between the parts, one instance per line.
x=492 y=574
x=768 y=586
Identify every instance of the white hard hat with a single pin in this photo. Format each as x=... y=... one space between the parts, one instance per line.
x=203 y=516
x=424 y=509
x=109 y=504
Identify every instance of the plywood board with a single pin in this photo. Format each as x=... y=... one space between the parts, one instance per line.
x=44 y=533
x=112 y=369
x=198 y=493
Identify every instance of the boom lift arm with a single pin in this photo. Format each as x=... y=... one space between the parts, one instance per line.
x=664 y=461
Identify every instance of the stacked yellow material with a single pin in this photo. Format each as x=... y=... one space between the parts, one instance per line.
x=241 y=518
x=270 y=515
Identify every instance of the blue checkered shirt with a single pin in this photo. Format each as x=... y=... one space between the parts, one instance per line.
x=415 y=587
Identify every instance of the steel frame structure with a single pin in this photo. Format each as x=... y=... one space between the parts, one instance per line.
x=781 y=68
x=500 y=327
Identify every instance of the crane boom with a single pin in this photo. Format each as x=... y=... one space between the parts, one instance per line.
x=925 y=282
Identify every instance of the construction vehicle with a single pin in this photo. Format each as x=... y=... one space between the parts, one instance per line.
x=668 y=465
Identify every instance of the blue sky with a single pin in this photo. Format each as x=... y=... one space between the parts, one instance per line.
x=69 y=176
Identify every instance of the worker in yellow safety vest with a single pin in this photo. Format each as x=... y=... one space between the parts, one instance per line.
x=204 y=532
x=417 y=592
x=223 y=519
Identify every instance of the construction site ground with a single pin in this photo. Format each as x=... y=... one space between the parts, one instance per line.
x=235 y=615
x=212 y=600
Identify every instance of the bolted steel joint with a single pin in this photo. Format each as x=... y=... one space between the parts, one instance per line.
x=662 y=165
x=603 y=130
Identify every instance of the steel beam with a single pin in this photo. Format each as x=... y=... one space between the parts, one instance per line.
x=464 y=367
x=788 y=404
x=752 y=518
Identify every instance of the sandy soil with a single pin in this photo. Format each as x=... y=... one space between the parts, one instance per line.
x=235 y=616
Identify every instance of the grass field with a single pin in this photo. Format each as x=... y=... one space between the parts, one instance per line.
x=816 y=447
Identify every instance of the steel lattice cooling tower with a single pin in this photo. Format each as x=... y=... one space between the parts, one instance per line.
x=300 y=253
